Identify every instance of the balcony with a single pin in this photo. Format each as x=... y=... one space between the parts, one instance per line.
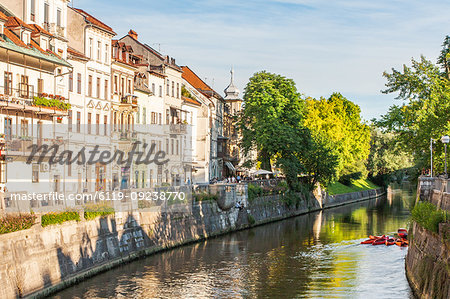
x=129 y=99
x=55 y=29
x=177 y=128
x=25 y=99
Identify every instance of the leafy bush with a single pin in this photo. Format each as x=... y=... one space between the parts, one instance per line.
x=12 y=223
x=53 y=103
x=92 y=211
x=291 y=198
x=428 y=216
x=251 y=219
x=205 y=196
x=254 y=191
x=57 y=218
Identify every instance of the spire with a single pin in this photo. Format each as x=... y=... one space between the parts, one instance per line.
x=231 y=92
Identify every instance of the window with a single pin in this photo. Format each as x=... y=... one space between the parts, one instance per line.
x=46 y=8
x=144 y=116
x=79 y=83
x=8 y=83
x=167 y=146
x=97 y=124
x=160 y=91
x=90 y=86
x=160 y=118
x=89 y=122
x=24 y=128
x=35 y=173
x=40 y=86
x=78 y=121
x=90 y=47
x=106 y=90
x=24 y=87
x=178 y=145
x=99 y=51
x=8 y=128
x=32 y=10
x=70 y=81
x=58 y=17
x=167 y=116
x=98 y=88
x=168 y=87
x=115 y=120
x=153 y=88
x=122 y=85
x=116 y=88
x=171 y=146
x=173 y=89
x=153 y=116
x=105 y=122
x=129 y=86
x=178 y=90
x=106 y=53
x=70 y=120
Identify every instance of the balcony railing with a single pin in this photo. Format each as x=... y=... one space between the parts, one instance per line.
x=22 y=98
x=129 y=99
x=178 y=128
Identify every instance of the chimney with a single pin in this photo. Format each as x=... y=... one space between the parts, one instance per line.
x=133 y=34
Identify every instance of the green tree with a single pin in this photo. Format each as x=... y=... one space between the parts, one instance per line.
x=424 y=112
x=272 y=123
x=385 y=155
x=338 y=120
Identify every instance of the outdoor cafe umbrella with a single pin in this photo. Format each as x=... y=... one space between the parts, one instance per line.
x=262 y=171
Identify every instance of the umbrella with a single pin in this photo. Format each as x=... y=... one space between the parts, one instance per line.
x=262 y=171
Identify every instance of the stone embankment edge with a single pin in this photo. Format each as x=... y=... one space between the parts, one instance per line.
x=70 y=281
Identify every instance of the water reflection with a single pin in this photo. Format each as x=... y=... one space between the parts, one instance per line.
x=315 y=255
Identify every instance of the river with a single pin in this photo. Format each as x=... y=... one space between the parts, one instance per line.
x=310 y=256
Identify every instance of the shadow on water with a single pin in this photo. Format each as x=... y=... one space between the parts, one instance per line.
x=313 y=255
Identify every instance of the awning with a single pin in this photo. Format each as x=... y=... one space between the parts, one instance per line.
x=230 y=166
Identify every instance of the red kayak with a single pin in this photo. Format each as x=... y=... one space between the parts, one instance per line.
x=402 y=230
x=389 y=242
x=403 y=235
x=380 y=241
x=368 y=241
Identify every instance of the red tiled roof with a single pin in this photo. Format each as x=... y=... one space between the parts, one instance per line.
x=95 y=21
x=76 y=53
x=14 y=38
x=36 y=45
x=3 y=16
x=195 y=81
x=14 y=22
x=191 y=101
x=39 y=29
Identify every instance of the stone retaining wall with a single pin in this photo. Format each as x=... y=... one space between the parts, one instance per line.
x=428 y=263
x=39 y=261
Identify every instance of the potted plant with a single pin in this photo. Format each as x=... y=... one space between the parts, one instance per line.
x=59 y=119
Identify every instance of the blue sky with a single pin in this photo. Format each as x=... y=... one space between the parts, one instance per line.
x=325 y=46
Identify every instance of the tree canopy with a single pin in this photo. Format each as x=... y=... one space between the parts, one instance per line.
x=424 y=89
x=338 y=121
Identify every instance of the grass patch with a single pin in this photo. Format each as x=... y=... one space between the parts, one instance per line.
x=58 y=218
x=356 y=185
x=9 y=223
x=428 y=216
x=92 y=211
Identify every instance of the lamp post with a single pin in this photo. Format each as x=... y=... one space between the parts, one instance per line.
x=445 y=139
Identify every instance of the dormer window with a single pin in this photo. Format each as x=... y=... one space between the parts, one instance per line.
x=44 y=43
x=26 y=37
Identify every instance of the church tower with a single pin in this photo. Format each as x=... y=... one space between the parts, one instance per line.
x=232 y=96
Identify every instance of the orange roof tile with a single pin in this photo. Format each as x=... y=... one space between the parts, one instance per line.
x=196 y=82
x=14 y=22
x=3 y=16
x=191 y=101
x=95 y=21
x=38 y=29
x=14 y=38
x=76 y=53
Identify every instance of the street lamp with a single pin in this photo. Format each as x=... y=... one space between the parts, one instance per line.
x=445 y=139
x=431 y=151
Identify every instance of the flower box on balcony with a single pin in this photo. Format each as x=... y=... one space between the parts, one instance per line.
x=51 y=103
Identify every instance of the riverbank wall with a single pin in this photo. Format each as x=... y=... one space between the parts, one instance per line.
x=428 y=260
x=39 y=261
